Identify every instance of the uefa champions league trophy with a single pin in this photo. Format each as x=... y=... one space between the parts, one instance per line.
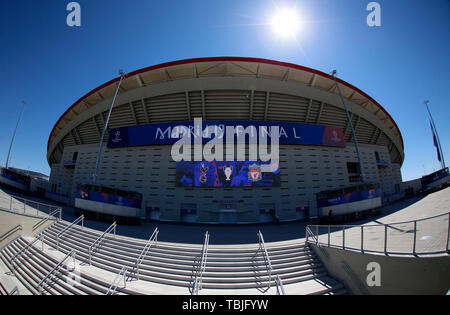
x=227 y=171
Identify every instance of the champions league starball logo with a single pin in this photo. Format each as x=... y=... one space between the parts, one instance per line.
x=117 y=138
x=335 y=137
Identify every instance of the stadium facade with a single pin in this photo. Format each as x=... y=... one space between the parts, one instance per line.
x=316 y=155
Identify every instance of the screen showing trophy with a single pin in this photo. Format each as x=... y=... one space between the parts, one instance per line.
x=227 y=174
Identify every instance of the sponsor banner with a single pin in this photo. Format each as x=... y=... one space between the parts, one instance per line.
x=434 y=177
x=16 y=178
x=170 y=133
x=226 y=174
x=348 y=198
x=108 y=198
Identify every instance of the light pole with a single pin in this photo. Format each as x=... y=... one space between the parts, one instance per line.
x=100 y=146
x=14 y=134
x=436 y=133
x=361 y=172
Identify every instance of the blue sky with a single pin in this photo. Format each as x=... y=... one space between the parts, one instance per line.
x=51 y=65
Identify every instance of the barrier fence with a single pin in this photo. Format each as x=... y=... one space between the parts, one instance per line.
x=26 y=206
x=423 y=236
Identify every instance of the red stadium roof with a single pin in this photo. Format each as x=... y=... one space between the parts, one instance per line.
x=226 y=59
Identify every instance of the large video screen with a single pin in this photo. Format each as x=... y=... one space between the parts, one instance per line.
x=227 y=174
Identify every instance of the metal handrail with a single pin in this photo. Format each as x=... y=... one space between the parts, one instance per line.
x=67 y=228
x=153 y=239
x=113 y=288
x=100 y=239
x=202 y=266
x=378 y=225
x=50 y=215
x=24 y=201
x=262 y=247
x=10 y=232
x=309 y=234
x=280 y=287
x=55 y=269
x=37 y=238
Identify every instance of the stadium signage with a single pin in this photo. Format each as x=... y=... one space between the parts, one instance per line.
x=219 y=130
x=348 y=198
x=227 y=174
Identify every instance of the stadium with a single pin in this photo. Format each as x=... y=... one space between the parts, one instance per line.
x=68 y=247
x=317 y=157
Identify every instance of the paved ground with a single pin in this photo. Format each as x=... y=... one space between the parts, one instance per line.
x=429 y=237
x=22 y=204
x=431 y=234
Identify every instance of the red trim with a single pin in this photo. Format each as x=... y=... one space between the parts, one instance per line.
x=215 y=59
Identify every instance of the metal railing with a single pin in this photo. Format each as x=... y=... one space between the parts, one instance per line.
x=38 y=237
x=21 y=205
x=99 y=240
x=280 y=287
x=67 y=228
x=11 y=232
x=201 y=266
x=49 y=217
x=422 y=236
x=263 y=249
x=56 y=269
x=152 y=240
x=122 y=274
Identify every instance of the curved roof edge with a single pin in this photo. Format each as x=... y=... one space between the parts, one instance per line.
x=237 y=59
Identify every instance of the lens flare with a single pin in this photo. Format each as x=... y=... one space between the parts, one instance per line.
x=286 y=23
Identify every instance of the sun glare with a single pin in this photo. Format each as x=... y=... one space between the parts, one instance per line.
x=286 y=23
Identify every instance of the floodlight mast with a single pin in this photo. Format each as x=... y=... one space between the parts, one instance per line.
x=361 y=172
x=436 y=133
x=100 y=146
x=14 y=134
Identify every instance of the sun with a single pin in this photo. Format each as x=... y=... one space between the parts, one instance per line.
x=286 y=23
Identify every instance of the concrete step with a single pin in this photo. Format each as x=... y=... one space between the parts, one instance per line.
x=154 y=256
x=20 y=276
x=3 y=290
x=317 y=286
x=247 y=264
x=30 y=271
x=58 y=281
x=229 y=271
x=164 y=251
x=137 y=245
x=83 y=286
x=187 y=279
x=168 y=267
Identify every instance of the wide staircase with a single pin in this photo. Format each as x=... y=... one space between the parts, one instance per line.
x=166 y=268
